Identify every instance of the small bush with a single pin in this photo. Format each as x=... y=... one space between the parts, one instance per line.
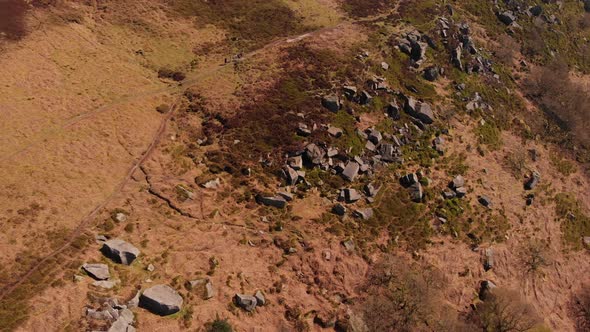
x=505 y=311
x=575 y=222
x=171 y=74
x=255 y=21
x=490 y=135
x=564 y=102
x=580 y=309
x=364 y=8
x=164 y=108
x=403 y=296
x=12 y=18
x=219 y=325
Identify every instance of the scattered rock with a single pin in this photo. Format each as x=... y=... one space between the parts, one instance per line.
x=419 y=110
x=97 y=271
x=246 y=302
x=488 y=262
x=162 y=300
x=106 y=284
x=532 y=181
x=485 y=201
x=295 y=163
x=536 y=10
x=339 y=209
x=332 y=103
x=350 y=92
x=364 y=214
x=365 y=98
x=349 y=245
x=351 y=195
x=458 y=181
x=408 y=180
x=260 y=299
x=120 y=217
x=461 y=192
x=351 y=171
x=120 y=251
x=123 y=323
x=507 y=17
x=211 y=184
x=431 y=73
x=416 y=192
x=486 y=288
x=334 y=131
x=274 y=201
x=209 y=290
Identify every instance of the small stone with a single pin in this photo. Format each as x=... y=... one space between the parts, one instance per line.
x=260 y=299
x=209 y=290
x=349 y=245
x=151 y=268
x=457 y=182
x=106 y=284
x=120 y=217
x=364 y=214
x=334 y=131
x=461 y=192
x=485 y=201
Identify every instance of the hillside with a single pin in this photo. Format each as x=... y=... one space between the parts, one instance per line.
x=294 y=165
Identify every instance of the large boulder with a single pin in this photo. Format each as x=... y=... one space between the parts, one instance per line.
x=97 y=271
x=416 y=192
x=350 y=195
x=507 y=17
x=351 y=171
x=161 y=300
x=431 y=73
x=458 y=182
x=424 y=113
x=419 y=110
x=314 y=154
x=274 y=201
x=408 y=180
x=364 y=214
x=246 y=302
x=389 y=153
x=332 y=103
x=120 y=251
x=532 y=181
